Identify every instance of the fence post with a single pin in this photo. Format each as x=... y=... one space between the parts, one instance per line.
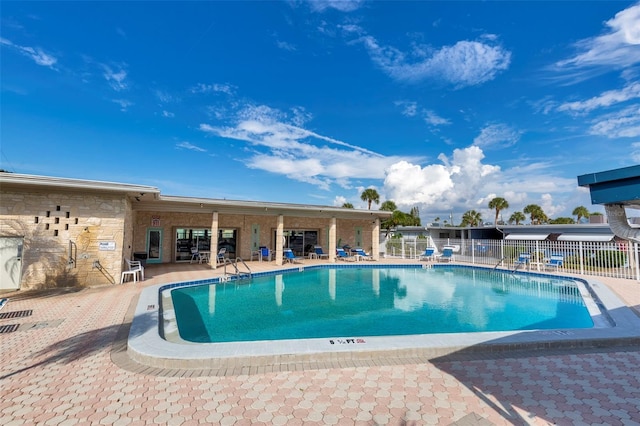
x=581 y=258
x=635 y=255
x=473 y=252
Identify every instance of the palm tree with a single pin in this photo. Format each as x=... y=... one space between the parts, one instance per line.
x=580 y=212
x=537 y=215
x=370 y=195
x=388 y=206
x=471 y=218
x=498 y=204
x=517 y=217
x=347 y=206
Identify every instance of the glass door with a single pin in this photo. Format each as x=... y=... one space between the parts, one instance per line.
x=154 y=245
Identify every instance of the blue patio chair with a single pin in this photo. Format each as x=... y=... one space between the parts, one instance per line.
x=265 y=253
x=556 y=261
x=523 y=260
x=290 y=257
x=320 y=254
x=341 y=254
x=429 y=253
x=361 y=253
x=446 y=255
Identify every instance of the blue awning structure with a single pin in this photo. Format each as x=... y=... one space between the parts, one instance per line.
x=616 y=189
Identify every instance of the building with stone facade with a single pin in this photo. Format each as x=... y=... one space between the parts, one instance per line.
x=59 y=232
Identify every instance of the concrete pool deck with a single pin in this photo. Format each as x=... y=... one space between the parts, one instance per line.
x=67 y=364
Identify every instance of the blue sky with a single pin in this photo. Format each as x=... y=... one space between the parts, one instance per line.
x=438 y=105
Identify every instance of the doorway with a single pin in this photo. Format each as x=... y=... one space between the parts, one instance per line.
x=10 y=262
x=154 y=245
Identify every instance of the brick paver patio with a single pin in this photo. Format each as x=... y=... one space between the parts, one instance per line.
x=65 y=365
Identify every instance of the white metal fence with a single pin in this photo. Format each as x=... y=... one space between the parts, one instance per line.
x=611 y=259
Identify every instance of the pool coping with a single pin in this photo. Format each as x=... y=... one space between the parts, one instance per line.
x=146 y=346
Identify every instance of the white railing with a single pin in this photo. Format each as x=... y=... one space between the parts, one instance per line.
x=610 y=259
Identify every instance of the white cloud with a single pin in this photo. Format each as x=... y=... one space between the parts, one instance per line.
x=434 y=119
x=168 y=114
x=124 y=104
x=190 y=146
x=286 y=46
x=214 y=88
x=116 y=79
x=409 y=108
x=340 y=5
x=606 y=99
x=339 y=200
x=466 y=63
x=618 y=47
x=454 y=183
x=624 y=123
x=279 y=144
x=497 y=136
x=36 y=54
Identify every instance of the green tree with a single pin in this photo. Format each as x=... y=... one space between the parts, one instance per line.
x=498 y=204
x=562 y=221
x=415 y=212
x=347 y=206
x=388 y=206
x=471 y=218
x=536 y=214
x=370 y=195
x=580 y=212
x=517 y=217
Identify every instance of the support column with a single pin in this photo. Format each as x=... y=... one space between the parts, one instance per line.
x=332 y=240
x=213 y=247
x=280 y=240
x=375 y=240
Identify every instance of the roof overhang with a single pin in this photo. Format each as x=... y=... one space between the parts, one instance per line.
x=256 y=208
x=148 y=198
x=528 y=237
x=586 y=237
x=48 y=183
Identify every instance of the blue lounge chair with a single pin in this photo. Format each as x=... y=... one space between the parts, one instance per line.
x=320 y=254
x=523 y=260
x=361 y=253
x=446 y=256
x=290 y=257
x=429 y=254
x=554 y=262
x=341 y=254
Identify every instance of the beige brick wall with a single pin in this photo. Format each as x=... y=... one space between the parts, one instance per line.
x=49 y=221
x=170 y=221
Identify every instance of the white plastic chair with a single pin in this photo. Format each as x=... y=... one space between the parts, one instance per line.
x=136 y=270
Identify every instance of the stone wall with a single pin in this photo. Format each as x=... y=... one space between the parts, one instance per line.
x=70 y=239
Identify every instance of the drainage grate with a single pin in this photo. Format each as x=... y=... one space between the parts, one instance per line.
x=16 y=314
x=8 y=328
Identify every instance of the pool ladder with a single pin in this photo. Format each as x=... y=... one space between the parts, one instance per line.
x=238 y=274
x=499 y=262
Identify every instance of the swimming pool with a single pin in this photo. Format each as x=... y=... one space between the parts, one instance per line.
x=153 y=340
x=357 y=303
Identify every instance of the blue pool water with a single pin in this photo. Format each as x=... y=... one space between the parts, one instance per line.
x=359 y=302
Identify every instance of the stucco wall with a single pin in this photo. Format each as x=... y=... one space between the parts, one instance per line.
x=52 y=222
